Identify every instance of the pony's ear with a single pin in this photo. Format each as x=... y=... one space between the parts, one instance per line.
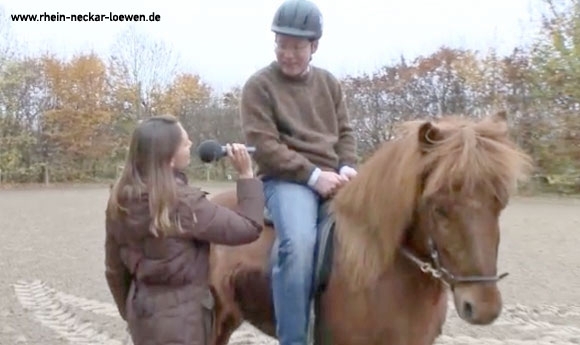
x=429 y=134
x=500 y=121
x=500 y=116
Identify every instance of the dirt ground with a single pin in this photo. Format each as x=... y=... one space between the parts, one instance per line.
x=53 y=291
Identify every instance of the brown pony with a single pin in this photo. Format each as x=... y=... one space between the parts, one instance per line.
x=422 y=215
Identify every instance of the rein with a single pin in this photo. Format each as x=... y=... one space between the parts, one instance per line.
x=437 y=271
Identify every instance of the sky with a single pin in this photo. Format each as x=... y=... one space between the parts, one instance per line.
x=225 y=41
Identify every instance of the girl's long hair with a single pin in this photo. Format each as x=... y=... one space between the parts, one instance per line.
x=148 y=171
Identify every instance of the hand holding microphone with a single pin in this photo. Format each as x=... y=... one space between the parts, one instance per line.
x=240 y=159
x=210 y=150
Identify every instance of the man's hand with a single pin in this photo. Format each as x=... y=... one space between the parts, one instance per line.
x=347 y=172
x=328 y=182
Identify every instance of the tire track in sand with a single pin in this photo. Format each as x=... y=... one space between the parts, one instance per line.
x=52 y=308
x=44 y=304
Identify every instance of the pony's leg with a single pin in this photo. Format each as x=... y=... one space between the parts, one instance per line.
x=226 y=320
x=227 y=317
x=225 y=327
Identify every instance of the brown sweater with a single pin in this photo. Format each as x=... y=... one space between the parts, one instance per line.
x=296 y=125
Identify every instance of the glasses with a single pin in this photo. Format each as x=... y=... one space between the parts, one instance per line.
x=293 y=50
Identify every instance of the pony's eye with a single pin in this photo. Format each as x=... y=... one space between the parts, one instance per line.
x=441 y=211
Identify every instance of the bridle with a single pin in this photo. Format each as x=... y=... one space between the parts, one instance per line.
x=437 y=271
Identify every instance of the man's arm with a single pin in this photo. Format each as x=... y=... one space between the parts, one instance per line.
x=261 y=131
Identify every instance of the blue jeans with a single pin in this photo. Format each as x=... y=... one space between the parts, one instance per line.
x=295 y=210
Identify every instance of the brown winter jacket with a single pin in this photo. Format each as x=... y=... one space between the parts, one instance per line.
x=160 y=286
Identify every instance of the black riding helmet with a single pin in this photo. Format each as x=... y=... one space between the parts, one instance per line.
x=298 y=18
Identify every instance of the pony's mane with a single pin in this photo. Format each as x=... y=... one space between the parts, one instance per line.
x=457 y=154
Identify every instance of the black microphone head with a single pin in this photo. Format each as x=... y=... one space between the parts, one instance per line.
x=209 y=151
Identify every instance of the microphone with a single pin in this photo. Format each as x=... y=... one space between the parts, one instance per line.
x=210 y=150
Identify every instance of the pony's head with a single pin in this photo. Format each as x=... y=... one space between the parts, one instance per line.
x=436 y=192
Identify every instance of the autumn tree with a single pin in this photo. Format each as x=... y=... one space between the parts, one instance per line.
x=188 y=98
x=21 y=111
x=216 y=118
x=75 y=116
x=367 y=99
x=556 y=60
x=140 y=67
x=185 y=95
x=21 y=105
x=78 y=116
x=557 y=53
x=445 y=82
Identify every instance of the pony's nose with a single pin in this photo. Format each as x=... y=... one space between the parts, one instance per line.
x=478 y=304
x=479 y=313
x=468 y=310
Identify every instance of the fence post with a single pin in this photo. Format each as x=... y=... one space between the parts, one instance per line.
x=46 y=174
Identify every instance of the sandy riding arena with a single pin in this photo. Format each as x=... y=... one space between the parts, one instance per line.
x=53 y=289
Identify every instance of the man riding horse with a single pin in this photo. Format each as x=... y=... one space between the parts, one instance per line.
x=295 y=115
